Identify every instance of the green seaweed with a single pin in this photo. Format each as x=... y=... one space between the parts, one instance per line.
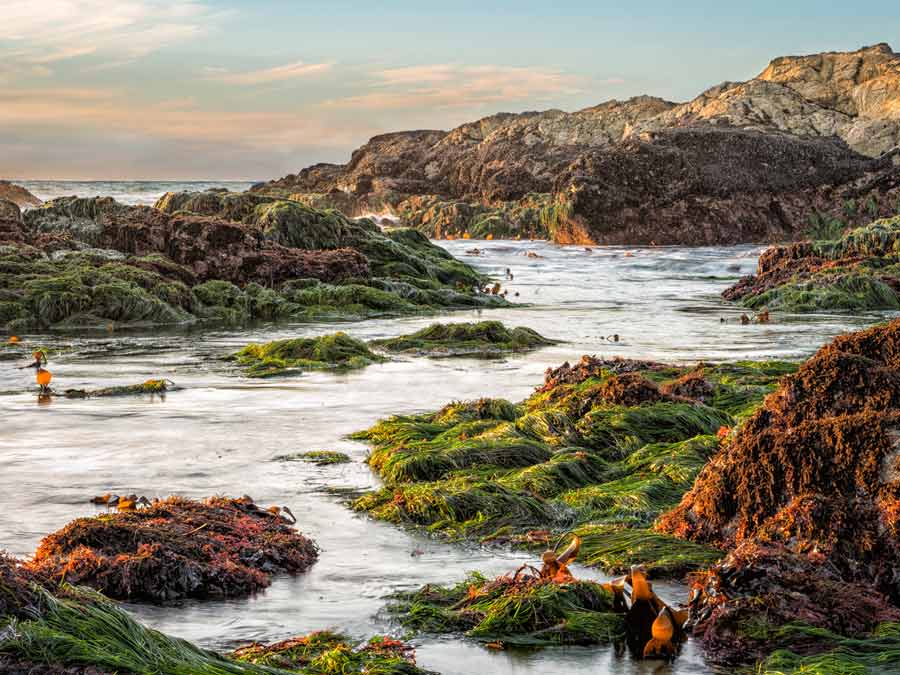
x=318 y=457
x=485 y=338
x=564 y=459
x=877 y=653
x=514 y=611
x=337 y=351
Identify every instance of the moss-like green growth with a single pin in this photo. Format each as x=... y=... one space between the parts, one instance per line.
x=320 y=457
x=484 y=339
x=878 y=653
x=514 y=611
x=572 y=456
x=96 y=288
x=327 y=653
x=148 y=387
x=857 y=270
x=86 y=630
x=337 y=351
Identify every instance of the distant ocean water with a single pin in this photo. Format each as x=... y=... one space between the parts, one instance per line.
x=126 y=192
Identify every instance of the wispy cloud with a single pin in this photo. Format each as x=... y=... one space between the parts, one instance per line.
x=289 y=71
x=49 y=31
x=453 y=86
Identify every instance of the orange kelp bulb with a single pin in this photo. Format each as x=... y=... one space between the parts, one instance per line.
x=44 y=377
x=13 y=339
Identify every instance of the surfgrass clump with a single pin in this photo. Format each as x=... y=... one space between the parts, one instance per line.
x=484 y=339
x=878 y=653
x=337 y=351
x=329 y=653
x=513 y=611
x=603 y=449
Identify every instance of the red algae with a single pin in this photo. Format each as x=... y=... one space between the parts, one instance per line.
x=807 y=495
x=176 y=549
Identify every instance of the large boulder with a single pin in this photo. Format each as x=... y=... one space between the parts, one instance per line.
x=17 y=195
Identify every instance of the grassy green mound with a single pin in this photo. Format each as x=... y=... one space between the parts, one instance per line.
x=515 y=612
x=327 y=653
x=570 y=457
x=854 y=271
x=337 y=351
x=485 y=338
x=84 y=630
x=879 y=653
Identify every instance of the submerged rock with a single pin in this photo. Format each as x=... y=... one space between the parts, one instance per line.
x=743 y=162
x=855 y=271
x=176 y=549
x=486 y=338
x=337 y=351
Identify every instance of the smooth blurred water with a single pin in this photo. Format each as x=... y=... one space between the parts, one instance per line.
x=221 y=432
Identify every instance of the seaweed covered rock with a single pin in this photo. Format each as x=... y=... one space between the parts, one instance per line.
x=337 y=351
x=856 y=270
x=146 y=387
x=486 y=338
x=18 y=596
x=817 y=468
x=764 y=597
x=93 y=262
x=526 y=611
x=599 y=448
x=176 y=549
x=325 y=652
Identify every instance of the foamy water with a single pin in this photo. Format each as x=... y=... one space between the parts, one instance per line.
x=126 y=192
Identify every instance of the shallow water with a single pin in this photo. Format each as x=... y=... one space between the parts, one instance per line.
x=220 y=434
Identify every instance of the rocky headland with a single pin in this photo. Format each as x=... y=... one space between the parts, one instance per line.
x=17 y=195
x=750 y=161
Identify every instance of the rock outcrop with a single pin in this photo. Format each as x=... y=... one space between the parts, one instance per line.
x=17 y=195
x=857 y=270
x=743 y=162
x=215 y=256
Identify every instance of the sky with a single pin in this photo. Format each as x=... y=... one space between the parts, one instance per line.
x=208 y=89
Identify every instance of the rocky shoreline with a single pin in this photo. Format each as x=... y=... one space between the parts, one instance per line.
x=743 y=162
x=215 y=257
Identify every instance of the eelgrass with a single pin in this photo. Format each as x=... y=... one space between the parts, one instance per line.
x=486 y=338
x=337 y=351
x=878 y=653
x=565 y=459
x=96 y=632
x=514 y=612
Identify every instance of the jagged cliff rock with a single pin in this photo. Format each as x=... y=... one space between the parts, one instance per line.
x=17 y=195
x=745 y=161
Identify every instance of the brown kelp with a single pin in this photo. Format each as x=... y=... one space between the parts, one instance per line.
x=807 y=494
x=175 y=549
x=603 y=447
x=485 y=339
x=337 y=351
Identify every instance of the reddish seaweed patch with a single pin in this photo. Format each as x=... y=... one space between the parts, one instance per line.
x=176 y=549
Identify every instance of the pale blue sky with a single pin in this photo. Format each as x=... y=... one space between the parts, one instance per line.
x=208 y=89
